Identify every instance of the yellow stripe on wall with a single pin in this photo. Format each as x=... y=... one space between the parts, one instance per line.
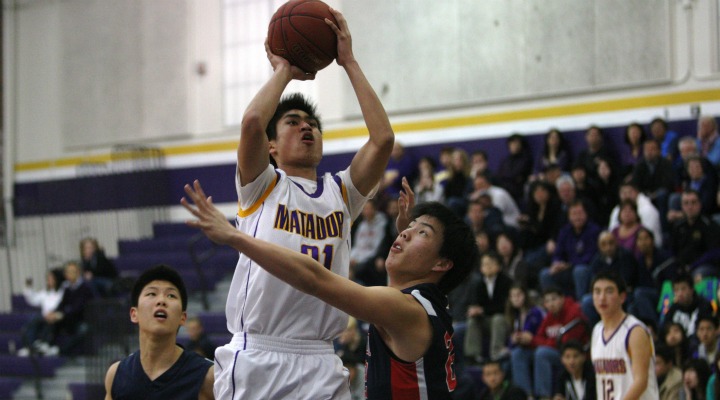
x=441 y=123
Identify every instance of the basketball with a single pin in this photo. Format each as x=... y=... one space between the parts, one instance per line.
x=298 y=33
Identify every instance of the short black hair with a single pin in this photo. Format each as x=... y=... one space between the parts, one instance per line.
x=293 y=101
x=552 y=289
x=708 y=318
x=683 y=278
x=160 y=272
x=458 y=243
x=612 y=276
x=572 y=344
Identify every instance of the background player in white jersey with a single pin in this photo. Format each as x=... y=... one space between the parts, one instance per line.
x=622 y=349
x=275 y=326
x=410 y=353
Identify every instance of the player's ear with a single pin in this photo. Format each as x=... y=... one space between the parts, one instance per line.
x=183 y=318
x=133 y=315
x=443 y=265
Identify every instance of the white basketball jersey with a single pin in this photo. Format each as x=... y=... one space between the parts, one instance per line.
x=611 y=359
x=310 y=217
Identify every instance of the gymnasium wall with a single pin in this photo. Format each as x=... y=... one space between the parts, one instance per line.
x=84 y=76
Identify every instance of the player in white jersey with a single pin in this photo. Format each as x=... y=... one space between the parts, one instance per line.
x=282 y=338
x=621 y=346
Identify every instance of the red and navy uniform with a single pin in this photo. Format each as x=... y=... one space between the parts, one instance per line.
x=432 y=377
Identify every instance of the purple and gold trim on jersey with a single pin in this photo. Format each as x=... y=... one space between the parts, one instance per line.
x=244 y=213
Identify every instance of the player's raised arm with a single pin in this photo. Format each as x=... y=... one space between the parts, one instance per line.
x=369 y=164
x=252 y=153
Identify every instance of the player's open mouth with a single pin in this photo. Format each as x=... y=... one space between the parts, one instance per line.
x=308 y=137
x=396 y=246
x=160 y=314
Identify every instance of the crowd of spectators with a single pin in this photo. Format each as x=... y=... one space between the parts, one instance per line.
x=546 y=224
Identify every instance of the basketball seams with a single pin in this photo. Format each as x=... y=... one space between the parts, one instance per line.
x=307 y=39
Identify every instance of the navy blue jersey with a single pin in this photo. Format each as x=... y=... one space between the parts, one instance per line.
x=182 y=381
x=432 y=377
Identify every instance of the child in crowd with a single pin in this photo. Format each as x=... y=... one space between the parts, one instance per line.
x=496 y=386
x=522 y=316
x=707 y=335
x=674 y=336
x=485 y=313
x=577 y=380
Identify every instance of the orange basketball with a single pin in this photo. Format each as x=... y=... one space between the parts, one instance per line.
x=298 y=32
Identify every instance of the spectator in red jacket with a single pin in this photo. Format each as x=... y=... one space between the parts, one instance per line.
x=564 y=321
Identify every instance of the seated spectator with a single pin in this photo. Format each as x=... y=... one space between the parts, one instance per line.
x=37 y=333
x=524 y=318
x=654 y=177
x=555 y=151
x=641 y=300
x=604 y=193
x=69 y=316
x=627 y=230
x=707 y=139
x=484 y=242
x=577 y=380
x=500 y=199
x=443 y=171
x=595 y=150
x=696 y=374
x=368 y=234
x=702 y=180
x=458 y=182
x=479 y=164
x=687 y=147
x=668 y=139
x=483 y=216
x=632 y=153
x=576 y=245
x=693 y=235
x=584 y=185
x=98 y=272
x=668 y=375
x=707 y=335
x=674 y=337
x=687 y=306
x=199 y=341
x=485 y=314
x=496 y=386
x=649 y=215
x=515 y=168
x=534 y=372
x=656 y=261
x=540 y=224
x=713 y=386
x=426 y=188
x=512 y=261
x=567 y=194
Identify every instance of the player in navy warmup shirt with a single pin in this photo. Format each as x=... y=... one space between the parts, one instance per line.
x=160 y=369
x=410 y=351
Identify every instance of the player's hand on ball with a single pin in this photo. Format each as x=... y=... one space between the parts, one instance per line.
x=281 y=62
x=344 y=43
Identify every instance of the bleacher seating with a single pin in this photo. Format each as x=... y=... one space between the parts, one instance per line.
x=175 y=244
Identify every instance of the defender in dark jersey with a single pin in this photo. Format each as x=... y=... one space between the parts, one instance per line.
x=160 y=369
x=410 y=352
